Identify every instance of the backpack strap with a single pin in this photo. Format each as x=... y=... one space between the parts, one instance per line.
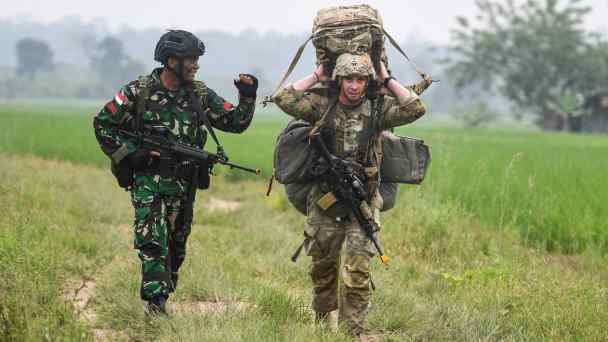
x=293 y=64
x=198 y=97
x=396 y=46
x=145 y=83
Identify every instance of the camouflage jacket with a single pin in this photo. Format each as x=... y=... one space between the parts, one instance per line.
x=349 y=121
x=351 y=125
x=171 y=109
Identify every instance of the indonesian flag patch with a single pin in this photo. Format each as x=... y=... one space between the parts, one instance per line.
x=120 y=98
x=227 y=106
x=111 y=107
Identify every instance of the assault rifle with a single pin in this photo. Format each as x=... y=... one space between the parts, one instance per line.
x=160 y=141
x=350 y=189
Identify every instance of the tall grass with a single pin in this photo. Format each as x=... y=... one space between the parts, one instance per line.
x=450 y=279
x=547 y=186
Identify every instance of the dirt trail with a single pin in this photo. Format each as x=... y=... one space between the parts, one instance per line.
x=216 y=204
x=80 y=294
x=205 y=307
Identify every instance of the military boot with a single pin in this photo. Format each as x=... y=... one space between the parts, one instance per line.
x=156 y=306
x=174 y=277
x=321 y=317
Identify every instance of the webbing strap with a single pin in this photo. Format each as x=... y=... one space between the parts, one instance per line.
x=293 y=64
x=202 y=114
x=145 y=82
x=396 y=46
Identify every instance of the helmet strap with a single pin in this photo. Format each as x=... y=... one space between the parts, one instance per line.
x=178 y=71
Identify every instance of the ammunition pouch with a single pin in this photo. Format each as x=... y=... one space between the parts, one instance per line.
x=167 y=166
x=123 y=172
x=405 y=160
x=185 y=170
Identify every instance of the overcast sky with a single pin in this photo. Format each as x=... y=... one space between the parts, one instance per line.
x=431 y=19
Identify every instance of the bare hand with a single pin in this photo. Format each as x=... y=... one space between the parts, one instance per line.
x=154 y=154
x=428 y=79
x=383 y=72
x=320 y=74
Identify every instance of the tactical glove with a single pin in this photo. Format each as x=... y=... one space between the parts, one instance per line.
x=139 y=159
x=247 y=85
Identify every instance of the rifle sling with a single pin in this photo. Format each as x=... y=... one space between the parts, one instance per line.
x=201 y=114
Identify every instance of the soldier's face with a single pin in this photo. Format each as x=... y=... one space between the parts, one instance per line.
x=190 y=68
x=353 y=87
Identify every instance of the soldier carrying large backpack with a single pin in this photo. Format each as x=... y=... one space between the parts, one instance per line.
x=351 y=110
x=350 y=124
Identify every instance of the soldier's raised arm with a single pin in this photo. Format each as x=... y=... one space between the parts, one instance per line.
x=402 y=108
x=117 y=114
x=297 y=101
x=225 y=116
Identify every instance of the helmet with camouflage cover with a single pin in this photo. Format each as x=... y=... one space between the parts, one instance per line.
x=350 y=65
x=178 y=43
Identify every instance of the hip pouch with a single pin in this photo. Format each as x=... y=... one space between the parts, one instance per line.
x=405 y=160
x=123 y=172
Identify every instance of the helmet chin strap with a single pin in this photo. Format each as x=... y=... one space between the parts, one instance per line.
x=178 y=72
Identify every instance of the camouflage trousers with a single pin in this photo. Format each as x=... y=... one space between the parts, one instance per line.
x=323 y=242
x=163 y=220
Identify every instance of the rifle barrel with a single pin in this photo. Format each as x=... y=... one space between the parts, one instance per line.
x=186 y=150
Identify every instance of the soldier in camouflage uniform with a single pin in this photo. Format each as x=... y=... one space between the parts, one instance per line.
x=347 y=114
x=163 y=211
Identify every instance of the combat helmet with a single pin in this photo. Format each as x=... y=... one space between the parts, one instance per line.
x=349 y=64
x=178 y=43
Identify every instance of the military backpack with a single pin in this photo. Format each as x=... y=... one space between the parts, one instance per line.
x=405 y=160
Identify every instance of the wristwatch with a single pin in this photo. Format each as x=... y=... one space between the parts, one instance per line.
x=386 y=80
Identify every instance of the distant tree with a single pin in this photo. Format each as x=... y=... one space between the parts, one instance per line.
x=113 y=64
x=33 y=56
x=476 y=114
x=534 y=53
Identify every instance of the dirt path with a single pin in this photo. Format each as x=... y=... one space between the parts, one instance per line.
x=216 y=204
x=80 y=294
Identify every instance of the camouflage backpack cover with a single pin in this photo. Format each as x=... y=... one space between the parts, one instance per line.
x=348 y=29
x=356 y=29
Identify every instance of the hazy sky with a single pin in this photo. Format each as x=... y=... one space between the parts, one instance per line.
x=429 y=18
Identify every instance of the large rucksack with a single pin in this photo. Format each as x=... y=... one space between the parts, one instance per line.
x=405 y=160
x=356 y=29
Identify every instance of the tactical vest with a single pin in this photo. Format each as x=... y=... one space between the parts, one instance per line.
x=402 y=160
x=147 y=87
x=123 y=172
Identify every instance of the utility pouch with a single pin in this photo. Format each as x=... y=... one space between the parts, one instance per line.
x=123 y=172
x=166 y=166
x=204 y=177
x=405 y=159
x=327 y=201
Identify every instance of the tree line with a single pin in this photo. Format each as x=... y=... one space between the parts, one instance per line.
x=536 y=55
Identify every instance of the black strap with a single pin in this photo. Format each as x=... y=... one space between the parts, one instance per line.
x=293 y=63
x=202 y=114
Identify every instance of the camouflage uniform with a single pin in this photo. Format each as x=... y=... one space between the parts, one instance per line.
x=326 y=231
x=163 y=214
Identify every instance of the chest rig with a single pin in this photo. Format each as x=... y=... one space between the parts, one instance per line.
x=169 y=166
x=197 y=101
x=368 y=151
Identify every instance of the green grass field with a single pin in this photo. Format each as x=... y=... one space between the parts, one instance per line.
x=547 y=187
x=505 y=240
